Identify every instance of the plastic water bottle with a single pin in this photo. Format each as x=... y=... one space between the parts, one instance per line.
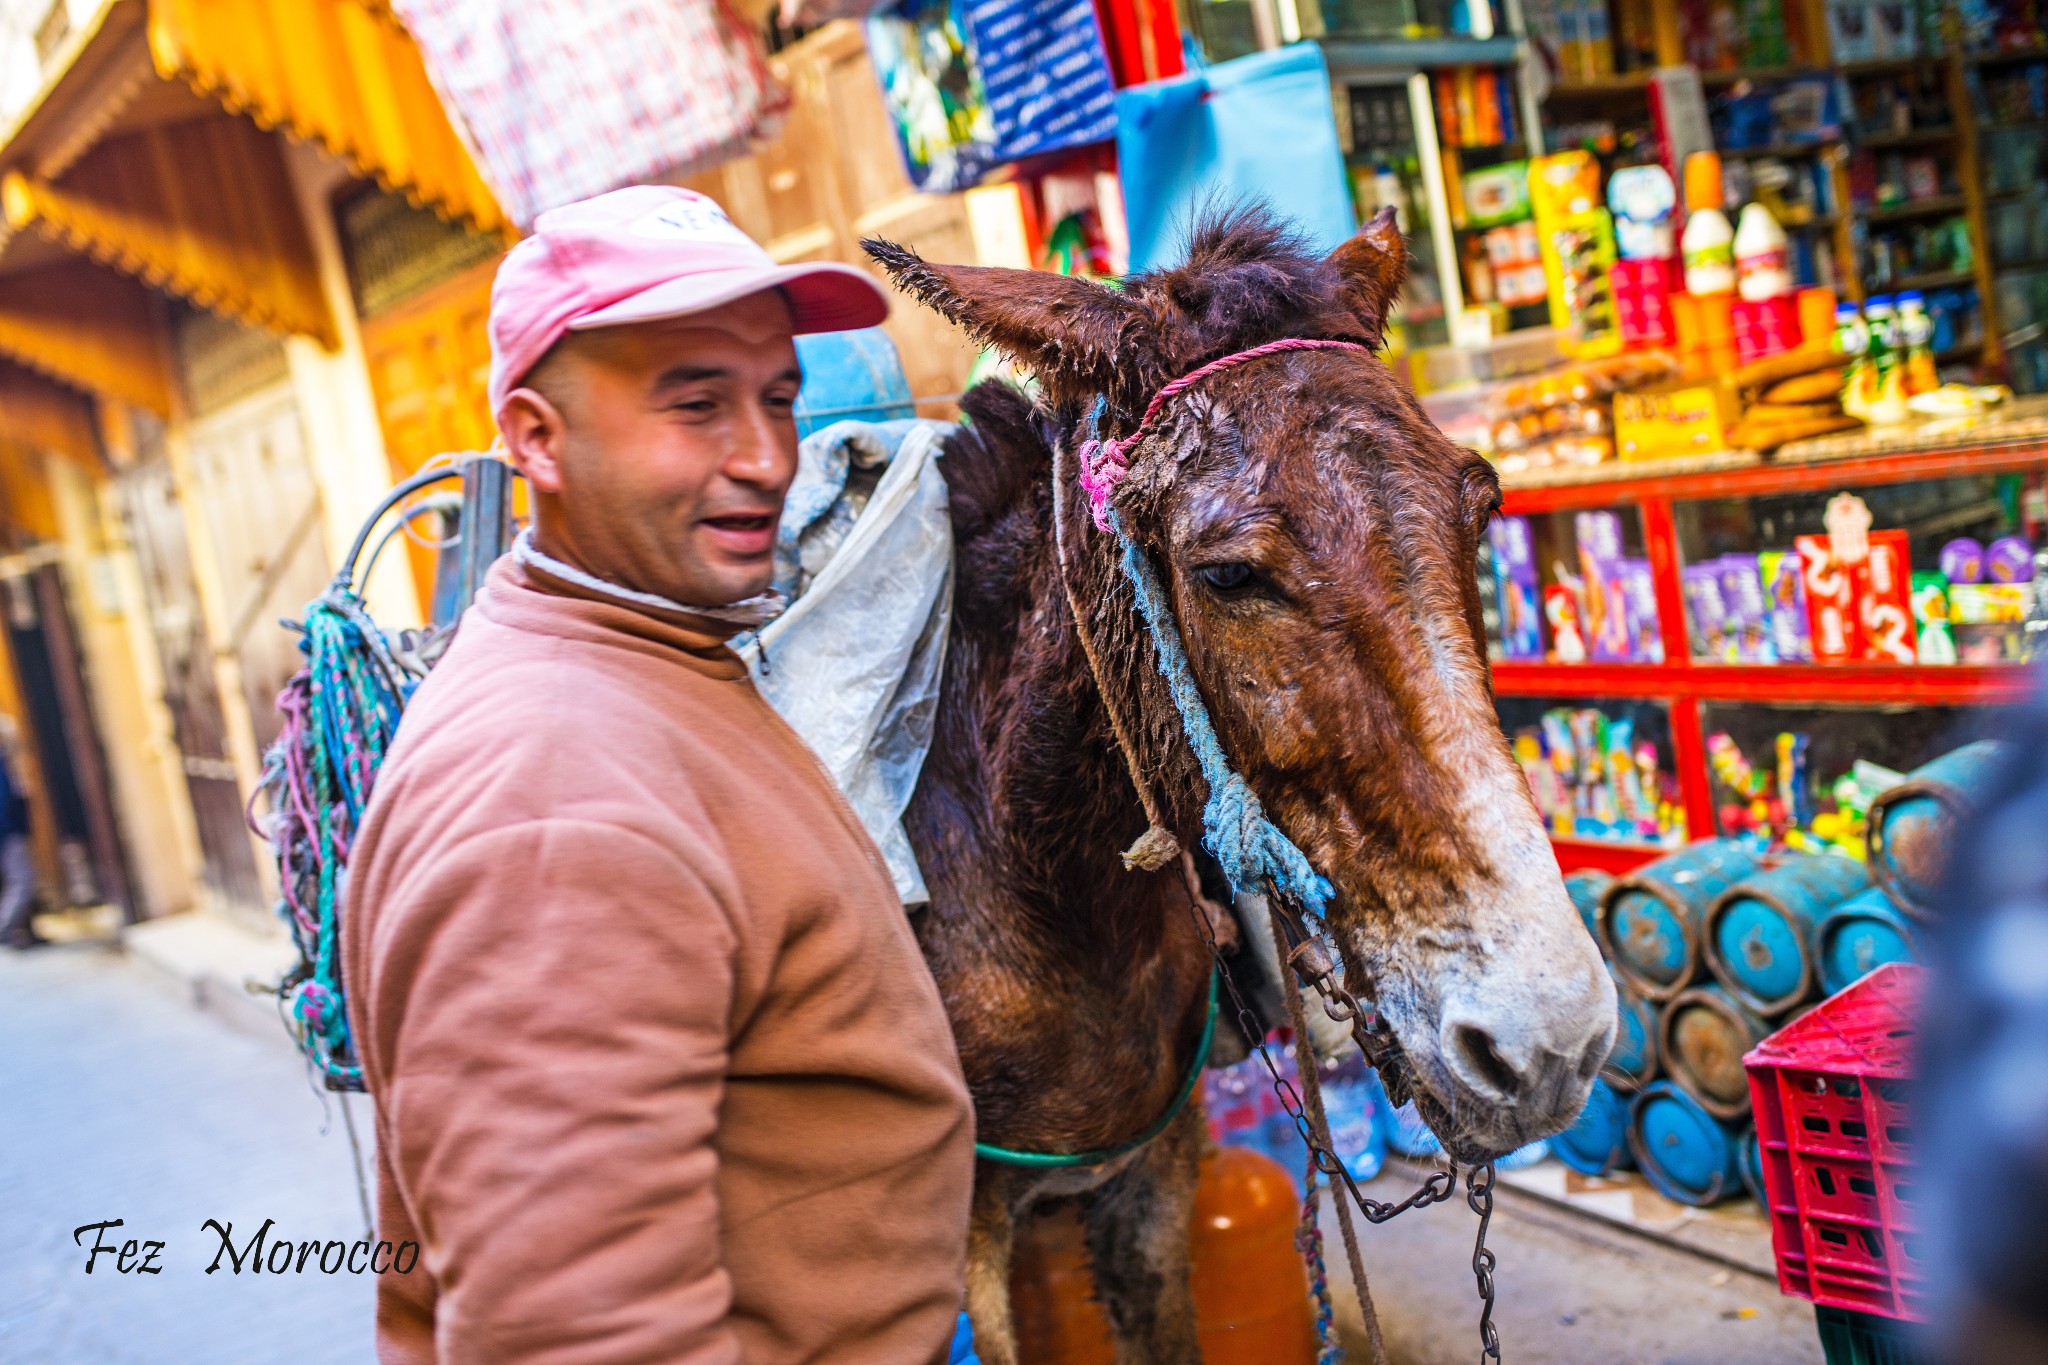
x=1354 y=1108
x=1282 y=1140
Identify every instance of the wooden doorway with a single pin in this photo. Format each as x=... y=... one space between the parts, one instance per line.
x=155 y=518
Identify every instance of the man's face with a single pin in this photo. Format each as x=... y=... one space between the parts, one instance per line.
x=659 y=452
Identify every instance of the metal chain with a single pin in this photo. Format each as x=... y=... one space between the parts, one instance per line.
x=1479 y=1194
x=1435 y=1189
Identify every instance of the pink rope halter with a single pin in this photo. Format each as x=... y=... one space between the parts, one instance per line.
x=1103 y=463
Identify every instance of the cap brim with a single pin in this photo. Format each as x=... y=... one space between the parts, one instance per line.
x=824 y=296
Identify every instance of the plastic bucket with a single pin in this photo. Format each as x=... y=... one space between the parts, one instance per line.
x=1759 y=934
x=1650 y=920
x=1681 y=1149
x=850 y=377
x=1860 y=935
x=1704 y=1036
x=1597 y=1141
x=1911 y=826
x=1633 y=1062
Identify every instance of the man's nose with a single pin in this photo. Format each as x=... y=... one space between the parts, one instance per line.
x=764 y=450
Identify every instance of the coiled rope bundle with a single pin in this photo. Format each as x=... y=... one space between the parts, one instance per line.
x=340 y=715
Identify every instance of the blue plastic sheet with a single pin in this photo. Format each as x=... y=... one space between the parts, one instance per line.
x=1257 y=128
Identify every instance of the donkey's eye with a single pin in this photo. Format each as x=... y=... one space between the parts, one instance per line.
x=1232 y=577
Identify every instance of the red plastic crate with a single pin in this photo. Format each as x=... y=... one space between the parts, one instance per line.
x=1829 y=1091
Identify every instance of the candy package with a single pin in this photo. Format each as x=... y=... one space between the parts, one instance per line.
x=1515 y=588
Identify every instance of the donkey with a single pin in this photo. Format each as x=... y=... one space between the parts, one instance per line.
x=1317 y=537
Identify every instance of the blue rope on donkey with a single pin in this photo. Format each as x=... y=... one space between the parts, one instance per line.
x=1235 y=830
x=1251 y=849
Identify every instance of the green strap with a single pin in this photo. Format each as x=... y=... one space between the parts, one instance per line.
x=1042 y=1160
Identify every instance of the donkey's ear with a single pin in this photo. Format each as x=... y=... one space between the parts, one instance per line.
x=1371 y=268
x=1071 y=332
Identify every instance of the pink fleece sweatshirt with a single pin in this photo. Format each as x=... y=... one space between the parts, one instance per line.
x=660 y=1073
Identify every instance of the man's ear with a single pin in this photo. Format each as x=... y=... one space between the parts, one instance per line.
x=1077 y=336
x=1371 y=268
x=534 y=432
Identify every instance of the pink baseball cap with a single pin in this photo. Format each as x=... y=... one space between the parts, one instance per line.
x=645 y=253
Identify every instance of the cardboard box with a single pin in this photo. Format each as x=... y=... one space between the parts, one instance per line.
x=1681 y=418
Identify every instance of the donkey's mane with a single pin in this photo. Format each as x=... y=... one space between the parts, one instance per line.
x=1248 y=278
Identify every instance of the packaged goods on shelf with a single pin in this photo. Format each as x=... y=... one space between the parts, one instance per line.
x=1576 y=233
x=1593 y=779
x=1599 y=604
x=1566 y=418
x=1775 y=798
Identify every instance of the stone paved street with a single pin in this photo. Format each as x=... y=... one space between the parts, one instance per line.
x=120 y=1100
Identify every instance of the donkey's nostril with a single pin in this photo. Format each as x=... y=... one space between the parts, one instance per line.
x=1594 y=1057
x=1476 y=1049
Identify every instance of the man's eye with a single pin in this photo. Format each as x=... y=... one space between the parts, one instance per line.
x=1231 y=577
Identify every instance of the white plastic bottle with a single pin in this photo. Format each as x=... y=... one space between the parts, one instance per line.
x=1708 y=243
x=1763 y=261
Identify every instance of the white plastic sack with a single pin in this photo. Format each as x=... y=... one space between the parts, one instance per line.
x=853 y=665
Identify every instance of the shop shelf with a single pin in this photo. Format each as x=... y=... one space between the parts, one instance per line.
x=1886 y=66
x=1781 y=150
x=2032 y=125
x=1934 y=279
x=2016 y=54
x=1605 y=855
x=1913 y=137
x=2023 y=263
x=1735 y=75
x=1840 y=684
x=1916 y=208
x=1620 y=86
x=1636 y=482
x=1349 y=55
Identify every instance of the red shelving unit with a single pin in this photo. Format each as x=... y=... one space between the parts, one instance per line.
x=1683 y=683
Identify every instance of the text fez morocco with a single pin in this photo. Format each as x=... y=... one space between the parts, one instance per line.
x=258 y=1254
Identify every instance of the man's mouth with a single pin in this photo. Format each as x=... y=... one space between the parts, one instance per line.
x=743 y=533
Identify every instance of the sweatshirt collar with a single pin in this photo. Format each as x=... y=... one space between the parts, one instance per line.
x=526 y=596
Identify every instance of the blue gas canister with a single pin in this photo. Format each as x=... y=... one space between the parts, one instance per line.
x=1912 y=825
x=1633 y=1062
x=1597 y=1141
x=1687 y=1153
x=1650 y=920
x=1860 y=935
x=1759 y=932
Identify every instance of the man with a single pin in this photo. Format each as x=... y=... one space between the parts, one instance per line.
x=660 y=1074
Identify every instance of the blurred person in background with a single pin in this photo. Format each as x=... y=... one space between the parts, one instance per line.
x=17 y=862
x=1983 y=1104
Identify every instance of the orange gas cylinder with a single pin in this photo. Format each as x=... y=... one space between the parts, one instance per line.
x=1251 y=1290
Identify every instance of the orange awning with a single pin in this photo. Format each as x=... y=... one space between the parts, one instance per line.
x=202 y=208
x=342 y=73
x=88 y=327
x=44 y=415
